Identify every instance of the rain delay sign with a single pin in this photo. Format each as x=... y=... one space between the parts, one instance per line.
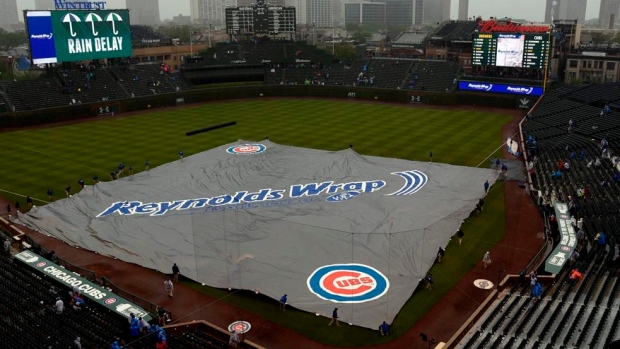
x=86 y=35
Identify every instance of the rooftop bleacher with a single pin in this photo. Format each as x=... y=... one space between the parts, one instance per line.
x=142 y=35
x=406 y=38
x=454 y=30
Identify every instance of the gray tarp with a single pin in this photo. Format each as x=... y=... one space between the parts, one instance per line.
x=267 y=219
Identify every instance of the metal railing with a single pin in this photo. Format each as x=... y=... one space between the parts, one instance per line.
x=139 y=301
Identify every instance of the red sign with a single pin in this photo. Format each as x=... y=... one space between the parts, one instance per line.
x=509 y=27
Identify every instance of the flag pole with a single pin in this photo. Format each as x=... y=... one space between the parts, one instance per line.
x=191 y=44
x=547 y=59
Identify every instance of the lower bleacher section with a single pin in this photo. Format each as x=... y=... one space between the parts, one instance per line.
x=28 y=319
x=87 y=84
x=569 y=314
x=569 y=126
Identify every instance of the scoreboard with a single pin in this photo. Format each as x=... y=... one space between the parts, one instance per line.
x=239 y=20
x=282 y=20
x=510 y=50
x=260 y=20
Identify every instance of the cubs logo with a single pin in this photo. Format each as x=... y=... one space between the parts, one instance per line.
x=110 y=301
x=483 y=284
x=343 y=196
x=239 y=327
x=348 y=283
x=246 y=149
x=41 y=264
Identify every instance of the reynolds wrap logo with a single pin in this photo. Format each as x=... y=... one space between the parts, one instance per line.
x=480 y=87
x=348 y=283
x=42 y=36
x=268 y=197
x=520 y=89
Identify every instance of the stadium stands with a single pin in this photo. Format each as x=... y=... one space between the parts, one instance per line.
x=389 y=73
x=145 y=79
x=28 y=318
x=48 y=93
x=438 y=76
x=570 y=315
x=454 y=30
x=74 y=86
x=87 y=86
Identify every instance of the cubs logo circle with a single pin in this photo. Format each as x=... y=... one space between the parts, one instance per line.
x=246 y=149
x=483 y=284
x=110 y=301
x=41 y=264
x=239 y=327
x=343 y=196
x=348 y=283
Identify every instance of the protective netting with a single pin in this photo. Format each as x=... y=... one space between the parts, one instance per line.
x=329 y=229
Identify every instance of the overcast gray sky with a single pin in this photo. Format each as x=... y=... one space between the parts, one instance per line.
x=533 y=10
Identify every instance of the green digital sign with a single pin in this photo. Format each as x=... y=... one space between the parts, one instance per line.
x=88 y=289
x=78 y=35
x=568 y=240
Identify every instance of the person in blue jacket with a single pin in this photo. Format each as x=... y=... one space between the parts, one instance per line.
x=384 y=328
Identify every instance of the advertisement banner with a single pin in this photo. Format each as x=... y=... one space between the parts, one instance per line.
x=66 y=36
x=417 y=99
x=568 y=240
x=87 y=289
x=525 y=102
x=500 y=88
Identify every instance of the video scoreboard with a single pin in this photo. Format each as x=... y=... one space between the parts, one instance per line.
x=77 y=35
x=510 y=50
x=260 y=20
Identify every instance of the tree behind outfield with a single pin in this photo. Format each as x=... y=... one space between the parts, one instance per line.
x=10 y=40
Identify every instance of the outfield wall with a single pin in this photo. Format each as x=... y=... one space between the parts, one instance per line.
x=81 y=111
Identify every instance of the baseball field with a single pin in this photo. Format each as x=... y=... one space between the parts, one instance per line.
x=36 y=160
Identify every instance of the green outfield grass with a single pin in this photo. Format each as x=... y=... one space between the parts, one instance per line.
x=56 y=157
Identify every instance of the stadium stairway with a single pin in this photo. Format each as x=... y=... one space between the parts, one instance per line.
x=5 y=99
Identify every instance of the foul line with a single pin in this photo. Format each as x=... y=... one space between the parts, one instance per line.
x=496 y=149
x=10 y=192
x=53 y=156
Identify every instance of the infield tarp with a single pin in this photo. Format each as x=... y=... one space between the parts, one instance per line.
x=330 y=229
